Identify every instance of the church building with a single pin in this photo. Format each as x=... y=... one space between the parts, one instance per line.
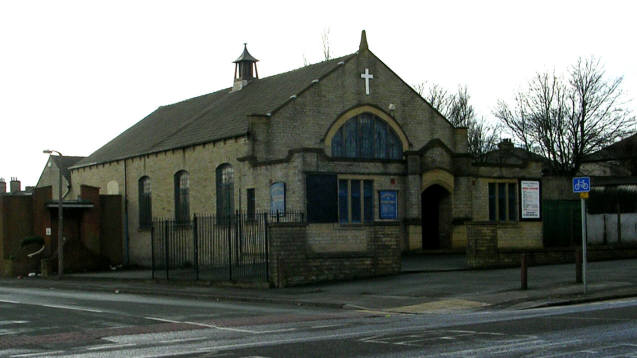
x=345 y=141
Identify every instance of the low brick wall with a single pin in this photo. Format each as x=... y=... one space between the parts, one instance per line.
x=296 y=259
x=483 y=251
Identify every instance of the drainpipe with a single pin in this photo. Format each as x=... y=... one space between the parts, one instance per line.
x=126 y=237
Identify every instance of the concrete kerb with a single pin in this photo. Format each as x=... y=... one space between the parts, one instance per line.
x=159 y=288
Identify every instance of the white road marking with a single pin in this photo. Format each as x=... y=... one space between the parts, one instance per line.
x=41 y=354
x=109 y=346
x=9 y=301
x=182 y=340
x=4 y=323
x=74 y=308
x=162 y=320
x=219 y=327
x=325 y=326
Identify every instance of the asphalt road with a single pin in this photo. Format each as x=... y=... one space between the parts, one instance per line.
x=50 y=323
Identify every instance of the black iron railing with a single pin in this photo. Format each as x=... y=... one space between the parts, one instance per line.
x=215 y=247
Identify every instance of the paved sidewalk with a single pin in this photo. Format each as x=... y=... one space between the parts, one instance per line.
x=407 y=292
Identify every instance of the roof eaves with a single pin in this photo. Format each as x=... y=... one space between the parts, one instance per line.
x=116 y=159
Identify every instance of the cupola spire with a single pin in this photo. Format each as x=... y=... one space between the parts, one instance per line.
x=245 y=69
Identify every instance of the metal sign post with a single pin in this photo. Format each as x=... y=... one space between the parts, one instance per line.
x=582 y=185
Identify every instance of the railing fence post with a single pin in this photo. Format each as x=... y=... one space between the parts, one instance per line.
x=152 y=250
x=195 y=237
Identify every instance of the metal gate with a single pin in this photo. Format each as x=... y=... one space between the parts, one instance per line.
x=214 y=247
x=562 y=221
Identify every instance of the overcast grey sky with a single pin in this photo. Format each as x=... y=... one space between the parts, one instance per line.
x=74 y=74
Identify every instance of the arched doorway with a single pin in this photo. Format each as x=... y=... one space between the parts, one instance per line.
x=436 y=218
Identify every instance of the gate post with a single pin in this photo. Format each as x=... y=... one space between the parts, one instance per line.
x=195 y=238
x=229 y=231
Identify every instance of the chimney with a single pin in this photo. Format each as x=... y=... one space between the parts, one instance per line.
x=14 y=185
x=245 y=69
x=3 y=186
x=505 y=144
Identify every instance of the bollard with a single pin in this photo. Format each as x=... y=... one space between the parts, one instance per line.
x=523 y=271
x=578 y=265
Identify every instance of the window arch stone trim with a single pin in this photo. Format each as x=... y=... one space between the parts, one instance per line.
x=351 y=113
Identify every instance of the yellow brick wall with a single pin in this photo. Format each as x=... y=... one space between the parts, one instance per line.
x=331 y=238
x=527 y=235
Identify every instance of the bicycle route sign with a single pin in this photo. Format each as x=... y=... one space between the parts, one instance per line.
x=581 y=184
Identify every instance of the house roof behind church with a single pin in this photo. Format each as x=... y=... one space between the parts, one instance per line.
x=64 y=163
x=624 y=149
x=214 y=116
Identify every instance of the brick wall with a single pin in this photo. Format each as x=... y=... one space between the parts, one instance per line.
x=294 y=261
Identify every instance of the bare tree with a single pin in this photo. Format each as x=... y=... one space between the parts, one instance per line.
x=457 y=108
x=325 y=41
x=564 y=120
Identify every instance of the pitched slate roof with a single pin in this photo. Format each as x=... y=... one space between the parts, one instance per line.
x=214 y=116
x=624 y=149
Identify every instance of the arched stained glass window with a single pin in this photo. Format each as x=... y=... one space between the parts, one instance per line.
x=366 y=136
x=225 y=189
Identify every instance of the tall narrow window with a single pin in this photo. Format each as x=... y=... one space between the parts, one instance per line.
x=182 y=197
x=492 y=205
x=513 y=206
x=145 y=204
x=502 y=202
x=343 y=203
x=225 y=189
x=368 y=200
x=356 y=200
x=251 y=203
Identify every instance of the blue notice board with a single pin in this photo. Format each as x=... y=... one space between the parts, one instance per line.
x=581 y=185
x=277 y=197
x=388 y=204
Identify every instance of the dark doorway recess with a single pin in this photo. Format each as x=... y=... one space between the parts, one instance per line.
x=436 y=218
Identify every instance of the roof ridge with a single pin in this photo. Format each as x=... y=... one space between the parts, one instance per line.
x=210 y=106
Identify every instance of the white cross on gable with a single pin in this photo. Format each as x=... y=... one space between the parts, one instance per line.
x=367 y=76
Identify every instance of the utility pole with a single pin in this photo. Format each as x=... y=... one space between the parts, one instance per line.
x=60 y=215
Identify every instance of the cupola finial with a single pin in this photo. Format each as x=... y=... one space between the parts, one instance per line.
x=245 y=69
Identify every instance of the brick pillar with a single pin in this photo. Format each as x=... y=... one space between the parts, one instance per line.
x=413 y=187
x=482 y=244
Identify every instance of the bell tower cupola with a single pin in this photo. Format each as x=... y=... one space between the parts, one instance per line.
x=245 y=69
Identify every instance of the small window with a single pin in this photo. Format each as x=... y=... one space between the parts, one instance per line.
x=182 y=197
x=145 y=204
x=503 y=202
x=355 y=201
